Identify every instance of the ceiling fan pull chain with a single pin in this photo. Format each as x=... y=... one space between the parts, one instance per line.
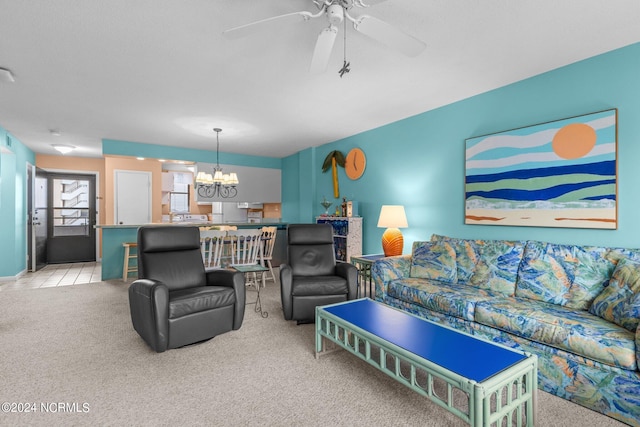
x=345 y=65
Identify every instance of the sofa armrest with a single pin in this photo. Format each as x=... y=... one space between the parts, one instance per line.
x=387 y=269
x=638 y=346
x=149 y=306
x=231 y=279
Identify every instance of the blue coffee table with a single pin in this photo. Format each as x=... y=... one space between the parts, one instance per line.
x=500 y=383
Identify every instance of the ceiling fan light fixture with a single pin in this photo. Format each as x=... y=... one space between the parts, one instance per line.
x=335 y=14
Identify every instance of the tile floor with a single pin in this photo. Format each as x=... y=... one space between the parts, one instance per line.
x=56 y=275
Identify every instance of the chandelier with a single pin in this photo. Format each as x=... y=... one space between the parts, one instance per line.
x=218 y=185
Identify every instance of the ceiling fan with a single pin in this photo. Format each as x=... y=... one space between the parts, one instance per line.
x=336 y=11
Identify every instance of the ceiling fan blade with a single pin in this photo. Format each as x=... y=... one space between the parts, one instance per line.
x=388 y=35
x=367 y=3
x=324 y=46
x=244 y=30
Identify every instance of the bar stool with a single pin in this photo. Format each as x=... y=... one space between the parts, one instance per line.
x=128 y=256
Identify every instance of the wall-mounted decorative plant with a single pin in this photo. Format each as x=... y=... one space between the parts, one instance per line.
x=334 y=159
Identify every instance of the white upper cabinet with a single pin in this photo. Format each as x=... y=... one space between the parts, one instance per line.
x=256 y=184
x=167 y=181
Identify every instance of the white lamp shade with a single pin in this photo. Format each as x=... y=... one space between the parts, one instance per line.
x=233 y=178
x=392 y=216
x=218 y=177
x=201 y=177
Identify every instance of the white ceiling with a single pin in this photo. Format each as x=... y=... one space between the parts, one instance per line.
x=160 y=71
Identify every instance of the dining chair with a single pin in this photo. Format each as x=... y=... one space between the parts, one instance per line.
x=211 y=245
x=246 y=257
x=245 y=246
x=269 y=239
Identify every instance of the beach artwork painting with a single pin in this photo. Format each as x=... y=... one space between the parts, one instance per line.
x=556 y=174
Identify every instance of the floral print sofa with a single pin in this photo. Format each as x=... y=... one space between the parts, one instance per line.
x=576 y=307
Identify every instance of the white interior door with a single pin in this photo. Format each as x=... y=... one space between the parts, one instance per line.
x=132 y=197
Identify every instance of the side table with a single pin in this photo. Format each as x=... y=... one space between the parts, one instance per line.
x=254 y=268
x=363 y=263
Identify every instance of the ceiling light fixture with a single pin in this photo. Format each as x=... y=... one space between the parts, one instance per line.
x=62 y=148
x=218 y=185
x=6 y=75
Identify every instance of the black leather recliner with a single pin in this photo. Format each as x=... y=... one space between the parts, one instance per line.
x=174 y=301
x=311 y=276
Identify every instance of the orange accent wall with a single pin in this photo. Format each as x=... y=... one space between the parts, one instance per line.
x=112 y=164
x=104 y=168
x=79 y=164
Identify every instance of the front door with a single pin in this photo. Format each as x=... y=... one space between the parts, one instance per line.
x=39 y=220
x=71 y=217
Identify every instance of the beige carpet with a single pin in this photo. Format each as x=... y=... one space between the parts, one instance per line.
x=75 y=346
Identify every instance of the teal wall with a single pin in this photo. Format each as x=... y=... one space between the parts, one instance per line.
x=419 y=162
x=14 y=157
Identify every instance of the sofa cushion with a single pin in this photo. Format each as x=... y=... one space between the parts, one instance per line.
x=449 y=298
x=433 y=260
x=497 y=267
x=546 y=273
x=591 y=274
x=620 y=301
x=467 y=255
x=576 y=331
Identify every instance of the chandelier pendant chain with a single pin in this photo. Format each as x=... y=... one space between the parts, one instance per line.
x=217 y=131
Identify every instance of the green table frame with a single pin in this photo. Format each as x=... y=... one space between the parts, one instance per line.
x=490 y=402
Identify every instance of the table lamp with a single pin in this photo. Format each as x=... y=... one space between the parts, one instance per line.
x=392 y=217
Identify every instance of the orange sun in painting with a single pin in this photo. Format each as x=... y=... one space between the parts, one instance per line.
x=574 y=141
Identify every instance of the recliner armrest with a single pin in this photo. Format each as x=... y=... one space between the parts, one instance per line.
x=232 y=279
x=350 y=273
x=149 y=306
x=286 y=284
x=223 y=277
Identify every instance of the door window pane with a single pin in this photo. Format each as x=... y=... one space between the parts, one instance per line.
x=70 y=207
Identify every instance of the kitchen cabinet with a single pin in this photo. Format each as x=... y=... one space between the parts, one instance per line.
x=256 y=184
x=167 y=181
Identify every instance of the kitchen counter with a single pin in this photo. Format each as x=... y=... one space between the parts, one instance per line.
x=199 y=224
x=114 y=235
